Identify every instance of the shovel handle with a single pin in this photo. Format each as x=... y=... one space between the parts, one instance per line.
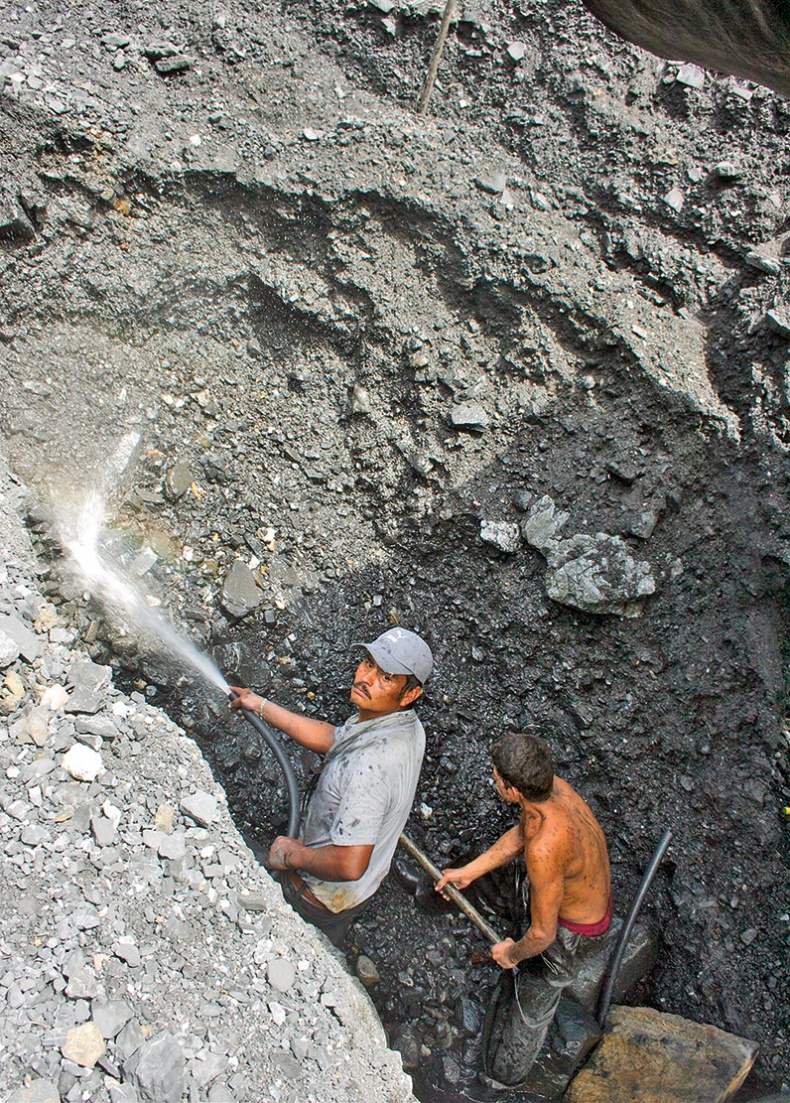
x=450 y=890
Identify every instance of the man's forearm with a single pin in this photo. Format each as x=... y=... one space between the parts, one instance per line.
x=531 y=944
x=330 y=863
x=505 y=849
x=315 y=735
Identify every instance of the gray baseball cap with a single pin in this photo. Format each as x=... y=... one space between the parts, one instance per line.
x=399 y=651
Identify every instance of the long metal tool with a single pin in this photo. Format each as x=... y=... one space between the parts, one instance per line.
x=450 y=890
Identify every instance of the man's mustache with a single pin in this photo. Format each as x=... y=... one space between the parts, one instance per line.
x=362 y=688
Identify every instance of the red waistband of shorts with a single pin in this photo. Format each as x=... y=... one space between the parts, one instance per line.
x=590 y=929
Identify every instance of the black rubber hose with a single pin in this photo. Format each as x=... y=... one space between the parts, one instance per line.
x=617 y=958
x=283 y=762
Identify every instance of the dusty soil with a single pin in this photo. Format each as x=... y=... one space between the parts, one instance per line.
x=282 y=278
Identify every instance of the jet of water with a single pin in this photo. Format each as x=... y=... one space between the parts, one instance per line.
x=81 y=532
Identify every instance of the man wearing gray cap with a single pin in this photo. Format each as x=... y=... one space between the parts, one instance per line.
x=366 y=787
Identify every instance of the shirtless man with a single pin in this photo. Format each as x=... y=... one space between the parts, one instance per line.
x=569 y=890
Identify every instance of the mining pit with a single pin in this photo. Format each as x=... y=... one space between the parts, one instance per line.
x=513 y=374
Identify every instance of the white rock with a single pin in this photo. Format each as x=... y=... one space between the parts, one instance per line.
x=82 y=763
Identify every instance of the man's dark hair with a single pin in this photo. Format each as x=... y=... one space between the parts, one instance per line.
x=524 y=762
x=411 y=682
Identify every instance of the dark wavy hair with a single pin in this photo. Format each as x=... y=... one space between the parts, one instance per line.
x=524 y=762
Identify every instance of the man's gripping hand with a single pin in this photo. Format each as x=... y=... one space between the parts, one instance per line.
x=502 y=954
x=458 y=878
x=281 y=851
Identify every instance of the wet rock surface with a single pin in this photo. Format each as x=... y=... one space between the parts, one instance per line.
x=358 y=348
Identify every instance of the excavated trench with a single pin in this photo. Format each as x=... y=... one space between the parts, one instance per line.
x=366 y=399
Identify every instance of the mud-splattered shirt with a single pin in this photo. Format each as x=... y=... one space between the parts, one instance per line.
x=363 y=797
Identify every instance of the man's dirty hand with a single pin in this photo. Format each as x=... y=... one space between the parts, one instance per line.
x=458 y=878
x=281 y=851
x=502 y=954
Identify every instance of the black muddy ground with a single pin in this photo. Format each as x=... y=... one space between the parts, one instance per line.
x=294 y=306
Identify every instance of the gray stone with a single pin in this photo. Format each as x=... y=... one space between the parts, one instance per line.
x=169 y=65
x=110 y=1016
x=691 y=75
x=9 y=650
x=178 y=481
x=287 y=1065
x=598 y=575
x=281 y=974
x=240 y=592
x=89 y=681
x=200 y=807
x=82 y=763
x=494 y=183
x=469 y=415
x=173 y=847
x=129 y=1040
x=779 y=321
x=37 y=1091
x=156 y=1070
x=28 y=642
x=501 y=534
x=542 y=523
x=675 y=199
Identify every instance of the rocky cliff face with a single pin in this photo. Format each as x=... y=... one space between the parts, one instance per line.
x=514 y=374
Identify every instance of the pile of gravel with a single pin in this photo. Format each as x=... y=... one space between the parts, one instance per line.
x=145 y=955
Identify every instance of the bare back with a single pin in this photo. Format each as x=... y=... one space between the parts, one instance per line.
x=565 y=838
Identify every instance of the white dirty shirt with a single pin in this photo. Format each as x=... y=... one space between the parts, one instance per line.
x=364 y=796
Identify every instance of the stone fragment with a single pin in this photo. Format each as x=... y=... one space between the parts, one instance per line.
x=407 y=1042
x=9 y=650
x=89 y=682
x=27 y=641
x=542 y=523
x=54 y=698
x=598 y=575
x=82 y=763
x=727 y=171
x=501 y=534
x=84 y=1045
x=178 y=481
x=494 y=183
x=110 y=1016
x=173 y=847
x=164 y=818
x=168 y=66
x=200 y=807
x=128 y=952
x=659 y=1058
x=691 y=75
x=367 y=971
x=37 y=1091
x=469 y=415
x=240 y=593
x=281 y=974
x=779 y=321
x=13 y=692
x=675 y=199
x=156 y=1070
x=764 y=261
x=516 y=51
